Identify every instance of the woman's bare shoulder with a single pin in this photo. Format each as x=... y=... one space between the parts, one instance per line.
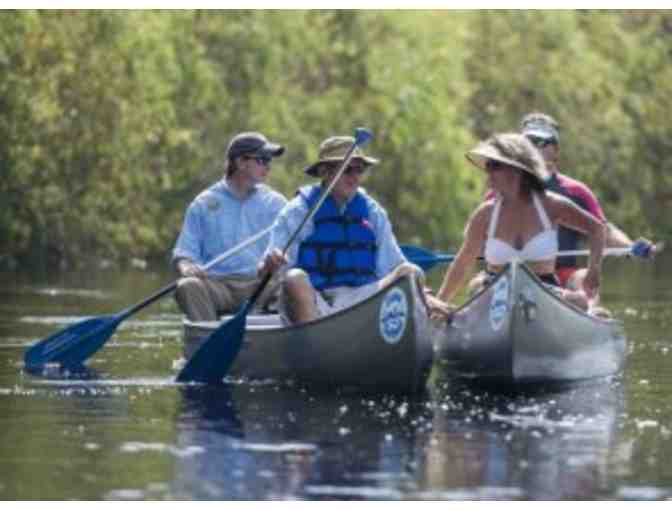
x=484 y=209
x=481 y=215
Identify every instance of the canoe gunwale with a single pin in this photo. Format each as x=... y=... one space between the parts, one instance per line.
x=565 y=303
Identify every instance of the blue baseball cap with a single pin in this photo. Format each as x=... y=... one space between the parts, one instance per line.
x=252 y=142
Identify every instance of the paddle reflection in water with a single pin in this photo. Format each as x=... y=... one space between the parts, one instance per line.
x=269 y=442
x=555 y=444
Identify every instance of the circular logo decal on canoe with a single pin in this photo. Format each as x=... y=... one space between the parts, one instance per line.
x=499 y=303
x=393 y=316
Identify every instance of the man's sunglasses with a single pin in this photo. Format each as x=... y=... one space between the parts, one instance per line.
x=493 y=165
x=541 y=142
x=262 y=160
x=355 y=169
x=351 y=169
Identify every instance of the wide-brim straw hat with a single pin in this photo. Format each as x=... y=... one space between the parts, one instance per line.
x=512 y=149
x=335 y=148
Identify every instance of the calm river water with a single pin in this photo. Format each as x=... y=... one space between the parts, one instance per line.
x=129 y=432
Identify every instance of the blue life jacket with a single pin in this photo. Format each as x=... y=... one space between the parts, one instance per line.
x=342 y=249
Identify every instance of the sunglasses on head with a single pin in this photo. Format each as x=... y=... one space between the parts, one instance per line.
x=541 y=142
x=262 y=160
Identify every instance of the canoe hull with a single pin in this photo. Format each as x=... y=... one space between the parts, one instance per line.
x=382 y=344
x=516 y=330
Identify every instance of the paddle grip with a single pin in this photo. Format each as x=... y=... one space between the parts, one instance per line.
x=362 y=136
x=641 y=248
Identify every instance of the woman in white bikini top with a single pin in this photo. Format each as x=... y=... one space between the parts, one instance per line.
x=542 y=247
x=498 y=228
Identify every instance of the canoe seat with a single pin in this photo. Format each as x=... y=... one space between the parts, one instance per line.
x=267 y=320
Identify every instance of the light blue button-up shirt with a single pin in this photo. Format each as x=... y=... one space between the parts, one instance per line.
x=218 y=220
x=389 y=254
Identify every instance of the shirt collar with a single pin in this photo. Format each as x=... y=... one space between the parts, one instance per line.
x=343 y=207
x=226 y=187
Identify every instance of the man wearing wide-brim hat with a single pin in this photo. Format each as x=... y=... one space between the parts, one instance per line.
x=346 y=252
x=220 y=218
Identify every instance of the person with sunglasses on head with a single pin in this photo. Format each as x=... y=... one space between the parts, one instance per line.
x=226 y=214
x=346 y=252
x=520 y=221
x=544 y=132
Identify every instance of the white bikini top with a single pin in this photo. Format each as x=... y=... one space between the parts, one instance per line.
x=541 y=247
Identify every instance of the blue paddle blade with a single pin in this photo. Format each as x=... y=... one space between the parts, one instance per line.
x=71 y=346
x=362 y=136
x=424 y=258
x=211 y=362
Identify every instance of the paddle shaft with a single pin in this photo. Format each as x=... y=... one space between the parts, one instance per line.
x=585 y=253
x=617 y=252
x=447 y=257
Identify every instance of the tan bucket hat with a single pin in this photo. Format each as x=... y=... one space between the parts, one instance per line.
x=513 y=149
x=335 y=148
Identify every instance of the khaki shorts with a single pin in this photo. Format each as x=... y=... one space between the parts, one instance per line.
x=206 y=299
x=330 y=301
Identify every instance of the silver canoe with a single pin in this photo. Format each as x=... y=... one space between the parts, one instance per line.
x=517 y=330
x=381 y=344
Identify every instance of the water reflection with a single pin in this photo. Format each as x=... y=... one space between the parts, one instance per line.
x=272 y=442
x=544 y=445
x=126 y=431
x=208 y=409
x=58 y=373
x=461 y=442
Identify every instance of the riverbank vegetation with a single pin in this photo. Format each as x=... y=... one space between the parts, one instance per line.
x=112 y=121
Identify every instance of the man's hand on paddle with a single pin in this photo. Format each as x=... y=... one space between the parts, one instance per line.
x=273 y=261
x=188 y=268
x=646 y=249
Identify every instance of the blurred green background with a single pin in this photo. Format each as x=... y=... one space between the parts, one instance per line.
x=112 y=121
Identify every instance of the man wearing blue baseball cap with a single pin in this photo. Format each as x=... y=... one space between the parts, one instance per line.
x=226 y=214
x=544 y=132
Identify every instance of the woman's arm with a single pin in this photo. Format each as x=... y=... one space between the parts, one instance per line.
x=566 y=213
x=471 y=249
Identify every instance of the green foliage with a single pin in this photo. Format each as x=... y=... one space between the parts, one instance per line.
x=112 y=121
x=600 y=74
